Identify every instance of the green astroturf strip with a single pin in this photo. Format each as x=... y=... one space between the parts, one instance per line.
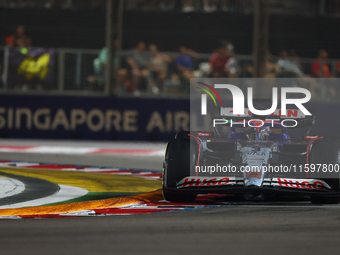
x=96 y=196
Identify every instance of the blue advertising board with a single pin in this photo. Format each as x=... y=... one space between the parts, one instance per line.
x=92 y=118
x=111 y=118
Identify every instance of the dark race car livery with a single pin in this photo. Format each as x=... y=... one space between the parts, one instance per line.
x=257 y=160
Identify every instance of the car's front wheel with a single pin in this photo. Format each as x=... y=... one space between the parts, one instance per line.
x=179 y=153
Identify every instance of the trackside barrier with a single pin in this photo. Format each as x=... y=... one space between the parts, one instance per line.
x=111 y=118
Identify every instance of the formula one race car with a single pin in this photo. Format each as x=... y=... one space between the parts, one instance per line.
x=257 y=160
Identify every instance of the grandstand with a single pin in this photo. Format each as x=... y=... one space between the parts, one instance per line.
x=151 y=48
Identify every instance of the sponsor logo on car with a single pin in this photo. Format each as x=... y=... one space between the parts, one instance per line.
x=305 y=184
x=199 y=182
x=310 y=184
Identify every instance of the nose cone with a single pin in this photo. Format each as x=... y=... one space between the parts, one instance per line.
x=253 y=182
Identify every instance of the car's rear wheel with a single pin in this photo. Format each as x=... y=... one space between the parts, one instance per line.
x=178 y=156
x=327 y=151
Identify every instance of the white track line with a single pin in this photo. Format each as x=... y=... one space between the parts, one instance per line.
x=10 y=187
x=65 y=193
x=60 y=150
x=79 y=150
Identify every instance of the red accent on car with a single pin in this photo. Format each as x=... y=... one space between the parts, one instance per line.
x=310 y=137
x=205 y=134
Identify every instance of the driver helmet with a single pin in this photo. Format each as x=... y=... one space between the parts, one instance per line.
x=264 y=133
x=250 y=133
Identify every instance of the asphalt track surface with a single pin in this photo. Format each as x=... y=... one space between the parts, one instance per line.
x=293 y=227
x=137 y=162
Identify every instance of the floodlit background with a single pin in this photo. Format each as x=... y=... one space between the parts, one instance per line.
x=120 y=70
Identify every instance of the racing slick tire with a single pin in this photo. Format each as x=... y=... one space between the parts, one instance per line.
x=327 y=151
x=176 y=166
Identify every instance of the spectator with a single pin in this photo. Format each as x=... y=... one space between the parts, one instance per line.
x=49 y=4
x=184 y=64
x=320 y=68
x=289 y=67
x=204 y=70
x=219 y=59
x=11 y=4
x=247 y=68
x=99 y=64
x=231 y=67
x=188 y=6
x=185 y=60
x=173 y=84
x=159 y=67
x=19 y=38
x=272 y=69
x=9 y=41
x=139 y=63
x=19 y=43
x=209 y=6
x=295 y=59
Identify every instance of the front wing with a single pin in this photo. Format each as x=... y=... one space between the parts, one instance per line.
x=269 y=185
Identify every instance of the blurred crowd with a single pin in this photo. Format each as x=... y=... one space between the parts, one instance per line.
x=64 y=4
x=146 y=69
x=329 y=7
x=137 y=5
x=286 y=7
x=189 y=5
